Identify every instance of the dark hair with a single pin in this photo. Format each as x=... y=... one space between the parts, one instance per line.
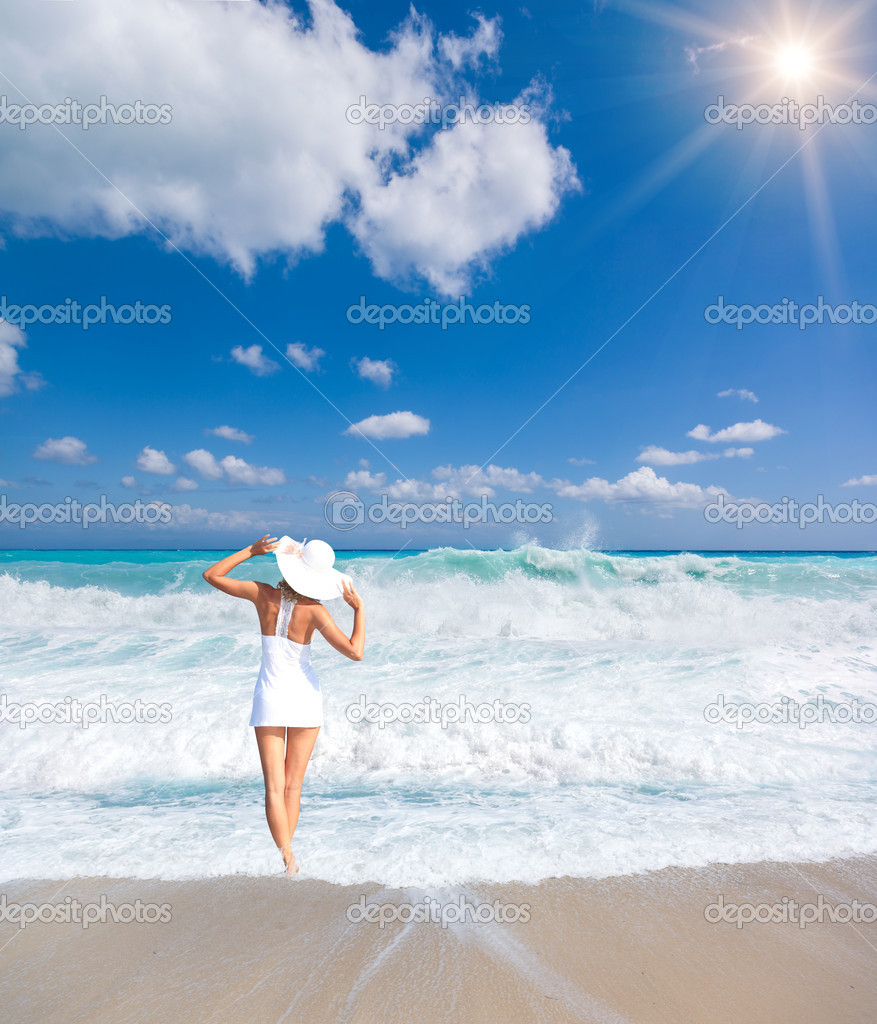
x=293 y=595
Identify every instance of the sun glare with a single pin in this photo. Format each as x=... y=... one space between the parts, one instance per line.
x=794 y=61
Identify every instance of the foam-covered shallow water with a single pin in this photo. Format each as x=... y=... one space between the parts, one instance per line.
x=616 y=770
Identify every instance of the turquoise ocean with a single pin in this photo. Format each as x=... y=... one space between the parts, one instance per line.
x=614 y=764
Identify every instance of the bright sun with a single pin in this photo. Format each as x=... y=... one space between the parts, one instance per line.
x=794 y=61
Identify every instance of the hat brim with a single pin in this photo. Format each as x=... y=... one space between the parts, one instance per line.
x=320 y=586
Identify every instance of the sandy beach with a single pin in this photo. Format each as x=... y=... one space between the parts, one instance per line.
x=630 y=949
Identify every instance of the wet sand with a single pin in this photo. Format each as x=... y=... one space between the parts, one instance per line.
x=630 y=949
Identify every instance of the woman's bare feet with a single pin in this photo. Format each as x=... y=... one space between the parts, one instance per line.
x=289 y=861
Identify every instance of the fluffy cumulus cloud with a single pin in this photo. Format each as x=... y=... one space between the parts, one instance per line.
x=448 y=482
x=641 y=485
x=756 y=430
x=378 y=371
x=392 y=425
x=233 y=469
x=869 y=480
x=70 y=451
x=152 y=461
x=12 y=377
x=183 y=483
x=254 y=359
x=304 y=358
x=260 y=157
x=230 y=434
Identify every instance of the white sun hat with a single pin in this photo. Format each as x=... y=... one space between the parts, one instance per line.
x=308 y=568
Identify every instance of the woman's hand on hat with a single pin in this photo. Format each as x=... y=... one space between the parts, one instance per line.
x=350 y=595
x=264 y=546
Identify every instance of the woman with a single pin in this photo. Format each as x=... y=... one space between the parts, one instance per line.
x=287 y=703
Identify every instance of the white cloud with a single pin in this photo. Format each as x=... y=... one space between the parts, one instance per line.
x=406 y=233
x=378 y=371
x=662 y=457
x=152 y=461
x=254 y=359
x=12 y=377
x=68 y=450
x=453 y=482
x=235 y=470
x=183 y=483
x=581 y=462
x=230 y=434
x=364 y=480
x=474 y=480
x=239 y=472
x=468 y=49
x=260 y=158
x=738 y=453
x=393 y=425
x=756 y=430
x=746 y=396
x=862 y=481
x=186 y=515
x=656 y=456
x=303 y=357
x=129 y=481
x=640 y=485
x=204 y=463
x=694 y=53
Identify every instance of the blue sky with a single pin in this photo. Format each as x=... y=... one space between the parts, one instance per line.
x=270 y=214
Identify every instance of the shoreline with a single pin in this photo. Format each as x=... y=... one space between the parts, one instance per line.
x=634 y=948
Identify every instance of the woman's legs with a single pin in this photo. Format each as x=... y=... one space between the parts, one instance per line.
x=283 y=779
x=299 y=744
x=271 y=741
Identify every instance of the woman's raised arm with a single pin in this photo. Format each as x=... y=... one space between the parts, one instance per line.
x=248 y=589
x=354 y=646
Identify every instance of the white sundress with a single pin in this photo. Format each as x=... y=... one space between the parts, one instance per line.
x=287 y=691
